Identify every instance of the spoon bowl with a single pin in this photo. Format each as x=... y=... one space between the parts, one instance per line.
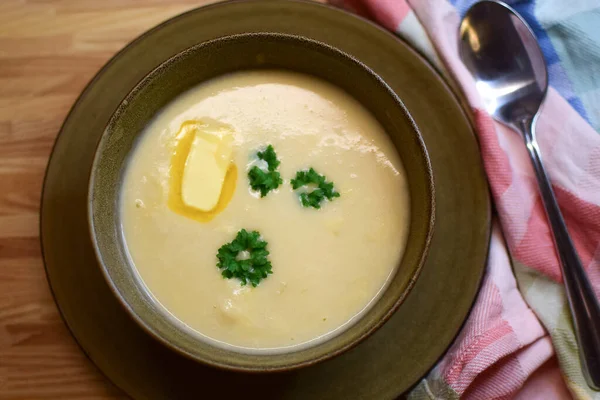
x=502 y=54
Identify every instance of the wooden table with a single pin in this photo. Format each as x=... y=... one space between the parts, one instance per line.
x=49 y=50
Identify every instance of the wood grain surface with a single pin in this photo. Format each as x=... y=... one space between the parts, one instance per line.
x=49 y=50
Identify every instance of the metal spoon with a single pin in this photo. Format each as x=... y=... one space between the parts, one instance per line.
x=502 y=54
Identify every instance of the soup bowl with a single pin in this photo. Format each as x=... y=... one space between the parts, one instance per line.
x=201 y=63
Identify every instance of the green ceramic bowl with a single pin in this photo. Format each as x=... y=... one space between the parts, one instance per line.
x=203 y=62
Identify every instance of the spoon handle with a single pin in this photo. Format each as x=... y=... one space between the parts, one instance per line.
x=583 y=304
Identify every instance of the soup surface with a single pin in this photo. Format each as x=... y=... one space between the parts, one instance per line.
x=328 y=264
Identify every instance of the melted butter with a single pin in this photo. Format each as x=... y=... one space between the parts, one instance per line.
x=184 y=140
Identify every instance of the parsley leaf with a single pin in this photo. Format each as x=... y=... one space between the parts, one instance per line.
x=324 y=190
x=264 y=181
x=248 y=269
x=270 y=157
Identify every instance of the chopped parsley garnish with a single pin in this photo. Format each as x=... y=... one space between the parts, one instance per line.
x=323 y=189
x=264 y=181
x=245 y=258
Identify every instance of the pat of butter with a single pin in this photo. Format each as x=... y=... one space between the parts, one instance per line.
x=205 y=169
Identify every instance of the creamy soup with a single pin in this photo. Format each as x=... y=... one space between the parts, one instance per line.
x=328 y=265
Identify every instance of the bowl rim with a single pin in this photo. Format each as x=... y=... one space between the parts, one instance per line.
x=354 y=341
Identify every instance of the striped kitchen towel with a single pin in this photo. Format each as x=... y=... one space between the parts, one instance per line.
x=518 y=341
